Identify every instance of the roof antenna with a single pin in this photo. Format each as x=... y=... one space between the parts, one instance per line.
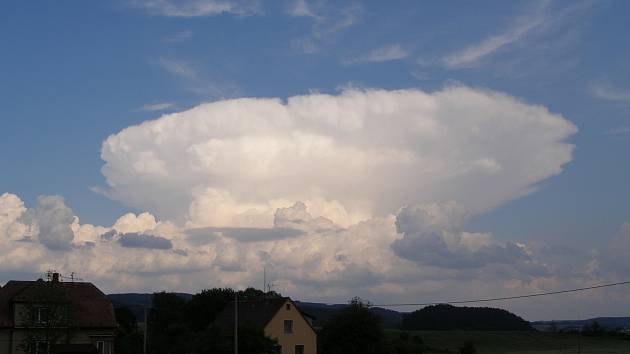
x=72 y=277
x=51 y=274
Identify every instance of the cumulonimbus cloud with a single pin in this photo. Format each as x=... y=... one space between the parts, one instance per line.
x=348 y=156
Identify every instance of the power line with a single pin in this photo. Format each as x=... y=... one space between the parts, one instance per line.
x=506 y=297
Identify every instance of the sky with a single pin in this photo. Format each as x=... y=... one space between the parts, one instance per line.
x=397 y=151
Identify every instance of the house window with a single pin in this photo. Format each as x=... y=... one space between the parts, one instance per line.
x=288 y=326
x=299 y=349
x=41 y=347
x=42 y=314
x=100 y=347
x=288 y=307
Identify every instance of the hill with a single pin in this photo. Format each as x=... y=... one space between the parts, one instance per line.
x=607 y=323
x=448 y=317
x=323 y=312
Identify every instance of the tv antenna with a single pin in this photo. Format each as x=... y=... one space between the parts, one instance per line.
x=49 y=275
x=72 y=277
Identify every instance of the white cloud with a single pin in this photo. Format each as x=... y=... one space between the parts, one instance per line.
x=301 y=8
x=197 y=8
x=520 y=28
x=619 y=131
x=615 y=257
x=327 y=263
x=432 y=235
x=328 y=21
x=178 y=68
x=181 y=36
x=386 y=53
x=53 y=221
x=160 y=106
x=610 y=94
x=347 y=157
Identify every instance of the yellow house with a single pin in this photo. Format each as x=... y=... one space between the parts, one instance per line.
x=280 y=319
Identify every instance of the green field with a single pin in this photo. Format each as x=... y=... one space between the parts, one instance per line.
x=521 y=342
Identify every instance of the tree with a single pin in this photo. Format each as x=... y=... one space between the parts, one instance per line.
x=128 y=338
x=595 y=327
x=354 y=329
x=448 y=317
x=168 y=332
x=468 y=348
x=204 y=307
x=180 y=326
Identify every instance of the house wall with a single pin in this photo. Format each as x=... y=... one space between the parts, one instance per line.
x=302 y=331
x=79 y=336
x=5 y=341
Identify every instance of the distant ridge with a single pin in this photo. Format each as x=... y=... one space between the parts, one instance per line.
x=138 y=302
x=607 y=323
x=449 y=317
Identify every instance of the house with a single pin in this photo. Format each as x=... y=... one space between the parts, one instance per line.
x=55 y=317
x=280 y=319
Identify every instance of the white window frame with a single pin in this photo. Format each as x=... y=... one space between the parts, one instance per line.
x=296 y=347
x=284 y=327
x=39 y=314
x=37 y=347
x=106 y=347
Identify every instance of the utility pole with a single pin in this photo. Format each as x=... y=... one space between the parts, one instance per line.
x=146 y=325
x=264 y=278
x=235 y=322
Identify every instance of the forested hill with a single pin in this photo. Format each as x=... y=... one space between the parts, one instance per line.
x=448 y=317
x=323 y=312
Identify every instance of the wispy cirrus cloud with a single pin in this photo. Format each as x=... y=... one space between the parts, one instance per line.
x=619 y=131
x=154 y=107
x=608 y=93
x=386 y=53
x=300 y=8
x=178 y=68
x=517 y=30
x=328 y=20
x=181 y=36
x=198 y=8
x=199 y=84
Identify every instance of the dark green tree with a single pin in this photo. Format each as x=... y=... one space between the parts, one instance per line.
x=203 y=308
x=353 y=330
x=468 y=348
x=180 y=326
x=128 y=338
x=168 y=330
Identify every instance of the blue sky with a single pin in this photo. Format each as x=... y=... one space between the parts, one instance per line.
x=75 y=72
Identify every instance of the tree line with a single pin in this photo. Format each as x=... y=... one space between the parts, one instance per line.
x=177 y=325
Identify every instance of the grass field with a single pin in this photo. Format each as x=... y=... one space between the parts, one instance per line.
x=521 y=342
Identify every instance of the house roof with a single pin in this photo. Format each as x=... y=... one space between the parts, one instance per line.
x=254 y=312
x=91 y=308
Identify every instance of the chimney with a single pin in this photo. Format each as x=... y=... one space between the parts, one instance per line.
x=55 y=277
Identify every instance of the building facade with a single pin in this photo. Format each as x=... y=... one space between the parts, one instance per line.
x=281 y=321
x=42 y=317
